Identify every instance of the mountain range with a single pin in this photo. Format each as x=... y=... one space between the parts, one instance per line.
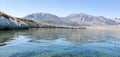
x=10 y=22
x=79 y=19
x=47 y=20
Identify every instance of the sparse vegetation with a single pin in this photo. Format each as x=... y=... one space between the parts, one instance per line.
x=5 y=15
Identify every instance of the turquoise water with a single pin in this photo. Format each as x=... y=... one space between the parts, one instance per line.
x=59 y=43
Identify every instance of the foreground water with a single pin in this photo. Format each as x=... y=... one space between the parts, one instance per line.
x=60 y=43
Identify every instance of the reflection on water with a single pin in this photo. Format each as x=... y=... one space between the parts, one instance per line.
x=60 y=43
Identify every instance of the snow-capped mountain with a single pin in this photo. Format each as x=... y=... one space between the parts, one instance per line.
x=44 y=17
x=80 y=19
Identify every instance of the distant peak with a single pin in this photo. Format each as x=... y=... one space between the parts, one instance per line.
x=78 y=14
x=84 y=13
x=40 y=13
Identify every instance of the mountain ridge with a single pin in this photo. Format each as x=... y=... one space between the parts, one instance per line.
x=10 y=22
x=75 y=19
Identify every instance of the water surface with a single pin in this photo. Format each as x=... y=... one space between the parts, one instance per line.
x=59 y=43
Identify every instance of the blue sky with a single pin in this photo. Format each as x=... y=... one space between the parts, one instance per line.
x=21 y=8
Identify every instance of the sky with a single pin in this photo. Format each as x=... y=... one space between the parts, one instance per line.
x=21 y=8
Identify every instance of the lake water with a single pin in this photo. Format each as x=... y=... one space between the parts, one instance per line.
x=59 y=43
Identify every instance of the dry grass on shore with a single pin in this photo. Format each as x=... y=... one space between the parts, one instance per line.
x=112 y=27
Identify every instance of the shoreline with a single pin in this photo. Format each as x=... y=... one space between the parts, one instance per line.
x=111 y=27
